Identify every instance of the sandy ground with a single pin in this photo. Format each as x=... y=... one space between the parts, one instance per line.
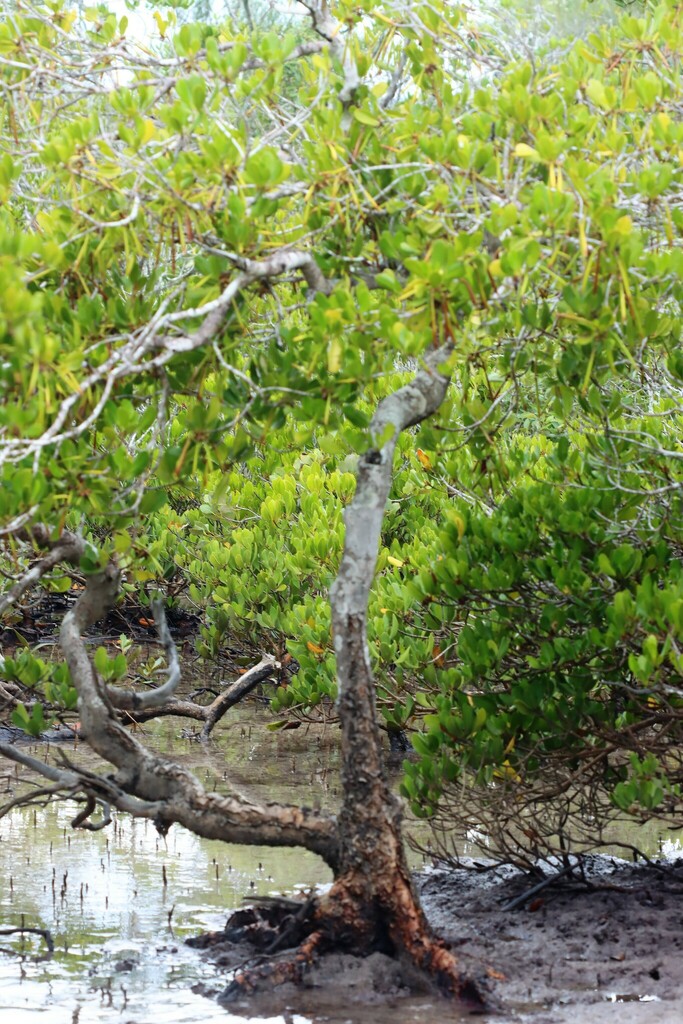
x=603 y=952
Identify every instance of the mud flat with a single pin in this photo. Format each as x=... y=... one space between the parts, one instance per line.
x=606 y=948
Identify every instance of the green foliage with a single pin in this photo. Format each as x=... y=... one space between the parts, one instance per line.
x=176 y=387
x=33 y=723
x=569 y=631
x=47 y=680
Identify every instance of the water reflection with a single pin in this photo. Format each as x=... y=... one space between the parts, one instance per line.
x=120 y=902
x=118 y=907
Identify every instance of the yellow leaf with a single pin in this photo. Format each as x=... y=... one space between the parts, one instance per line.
x=395 y=561
x=458 y=523
x=506 y=771
x=334 y=356
x=148 y=131
x=583 y=245
x=314 y=649
x=161 y=24
x=527 y=152
x=425 y=461
x=68 y=18
x=624 y=225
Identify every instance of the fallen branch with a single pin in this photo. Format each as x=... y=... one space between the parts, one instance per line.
x=24 y=930
x=520 y=900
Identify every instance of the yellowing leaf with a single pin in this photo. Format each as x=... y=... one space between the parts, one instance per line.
x=161 y=24
x=334 y=356
x=148 y=131
x=583 y=245
x=506 y=771
x=394 y=561
x=425 y=461
x=458 y=523
x=314 y=649
x=526 y=152
x=624 y=225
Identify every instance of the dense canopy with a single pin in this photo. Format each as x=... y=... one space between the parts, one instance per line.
x=240 y=264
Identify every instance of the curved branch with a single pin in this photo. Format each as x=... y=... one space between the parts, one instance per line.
x=180 y=796
x=209 y=714
x=129 y=700
x=237 y=691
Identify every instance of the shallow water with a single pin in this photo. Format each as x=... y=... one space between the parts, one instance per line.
x=120 y=902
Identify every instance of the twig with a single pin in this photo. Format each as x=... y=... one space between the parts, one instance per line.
x=518 y=901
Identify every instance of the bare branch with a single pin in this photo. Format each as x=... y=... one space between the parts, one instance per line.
x=69 y=547
x=237 y=692
x=154 y=779
x=330 y=29
x=394 y=83
x=137 y=708
x=131 y=701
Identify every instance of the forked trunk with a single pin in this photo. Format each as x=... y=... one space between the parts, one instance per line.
x=372 y=904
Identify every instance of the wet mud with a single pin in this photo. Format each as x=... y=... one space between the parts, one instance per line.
x=608 y=947
x=576 y=951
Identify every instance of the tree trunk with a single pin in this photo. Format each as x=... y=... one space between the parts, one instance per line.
x=372 y=904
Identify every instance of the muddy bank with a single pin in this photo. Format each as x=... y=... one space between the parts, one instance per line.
x=607 y=948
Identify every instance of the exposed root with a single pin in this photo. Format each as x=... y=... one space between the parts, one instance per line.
x=271 y=925
x=338 y=922
x=275 y=972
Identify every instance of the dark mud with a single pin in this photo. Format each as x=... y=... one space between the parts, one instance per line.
x=605 y=948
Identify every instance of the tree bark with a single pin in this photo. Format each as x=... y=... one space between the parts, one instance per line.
x=372 y=901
